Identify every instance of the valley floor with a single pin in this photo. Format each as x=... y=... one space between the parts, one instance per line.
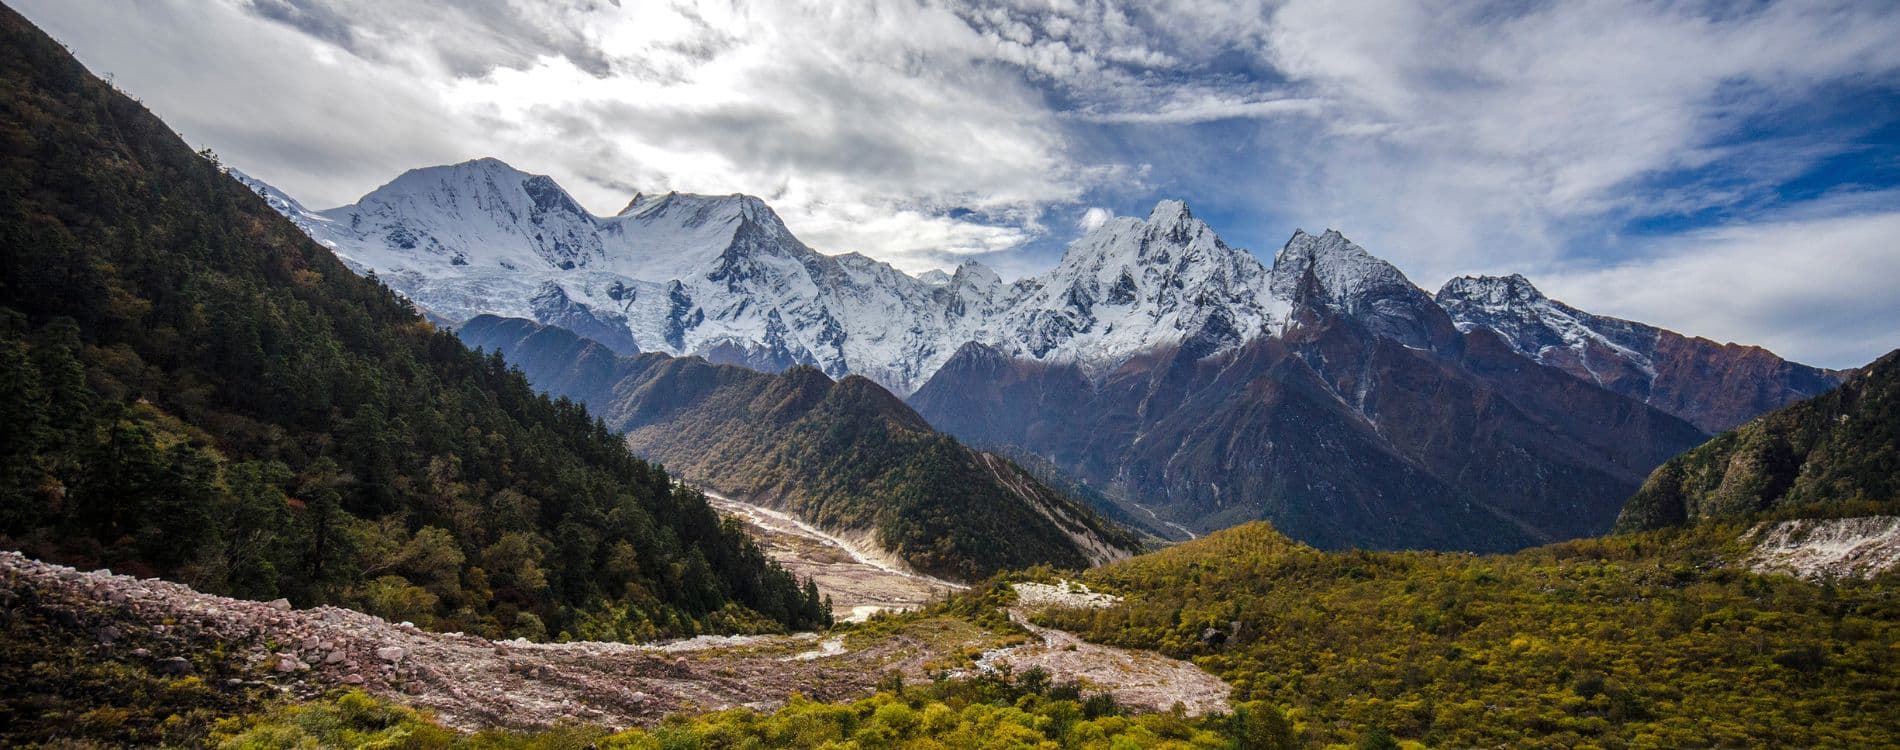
x=470 y=682
x=859 y=580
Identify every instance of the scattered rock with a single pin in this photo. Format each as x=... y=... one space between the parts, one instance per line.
x=1062 y=595
x=352 y=679
x=282 y=605
x=391 y=654
x=176 y=666
x=1819 y=549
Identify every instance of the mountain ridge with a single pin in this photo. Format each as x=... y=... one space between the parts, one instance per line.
x=1715 y=386
x=847 y=455
x=704 y=274
x=1840 y=448
x=1162 y=313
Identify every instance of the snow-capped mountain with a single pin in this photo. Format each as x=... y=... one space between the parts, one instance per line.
x=1712 y=385
x=721 y=277
x=1130 y=286
x=1325 y=390
x=1602 y=350
x=1332 y=274
x=718 y=276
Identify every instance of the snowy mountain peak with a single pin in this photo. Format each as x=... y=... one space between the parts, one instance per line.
x=694 y=211
x=1347 y=275
x=487 y=174
x=1169 y=213
x=1491 y=291
x=1131 y=285
x=635 y=201
x=972 y=273
x=1331 y=273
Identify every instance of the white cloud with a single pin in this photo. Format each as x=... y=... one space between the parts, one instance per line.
x=1094 y=218
x=1209 y=106
x=866 y=126
x=1450 y=136
x=1487 y=132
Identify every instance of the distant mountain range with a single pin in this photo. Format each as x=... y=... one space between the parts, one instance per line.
x=1154 y=363
x=846 y=456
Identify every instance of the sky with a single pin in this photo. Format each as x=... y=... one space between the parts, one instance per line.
x=1728 y=170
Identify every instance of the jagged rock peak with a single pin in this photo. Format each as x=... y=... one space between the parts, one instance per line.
x=1328 y=243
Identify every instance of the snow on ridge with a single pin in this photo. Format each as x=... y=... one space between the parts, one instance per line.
x=1547 y=330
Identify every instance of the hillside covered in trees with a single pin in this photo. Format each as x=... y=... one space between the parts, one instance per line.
x=192 y=388
x=1648 y=640
x=1837 y=452
x=845 y=455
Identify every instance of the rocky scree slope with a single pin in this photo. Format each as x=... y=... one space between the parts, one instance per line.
x=846 y=456
x=468 y=682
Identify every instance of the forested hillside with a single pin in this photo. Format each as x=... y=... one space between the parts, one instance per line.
x=1837 y=451
x=845 y=455
x=1653 y=640
x=195 y=389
